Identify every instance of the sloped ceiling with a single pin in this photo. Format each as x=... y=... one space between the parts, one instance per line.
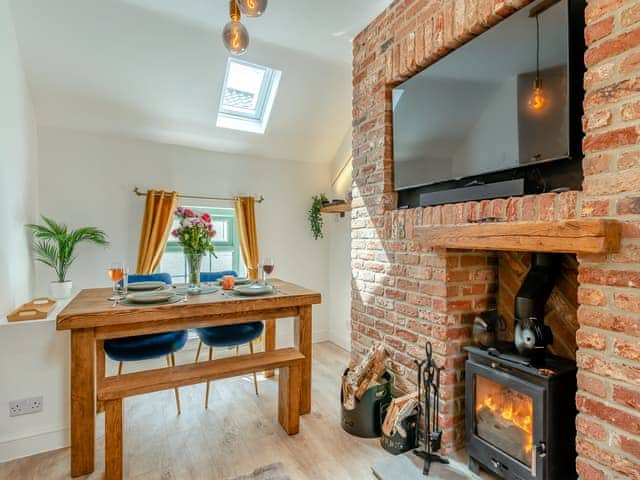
x=154 y=69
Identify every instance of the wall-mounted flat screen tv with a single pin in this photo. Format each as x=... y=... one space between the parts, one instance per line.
x=470 y=113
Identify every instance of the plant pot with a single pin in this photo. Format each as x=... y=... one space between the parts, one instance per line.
x=60 y=290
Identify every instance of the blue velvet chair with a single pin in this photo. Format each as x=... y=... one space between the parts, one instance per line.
x=145 y=347
x=227 y=335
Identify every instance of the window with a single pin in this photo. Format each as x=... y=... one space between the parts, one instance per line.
x=247 y=96
x=225 y=242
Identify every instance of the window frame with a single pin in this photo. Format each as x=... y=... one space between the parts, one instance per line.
x=257 y=123
x=231 y=245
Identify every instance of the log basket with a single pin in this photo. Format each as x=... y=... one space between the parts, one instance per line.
x=396 y=443
x=365 y=419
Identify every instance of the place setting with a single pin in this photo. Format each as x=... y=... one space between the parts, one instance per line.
x=241 y=287
x=149 y=292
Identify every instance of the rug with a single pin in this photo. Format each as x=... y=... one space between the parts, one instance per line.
x=275 y=471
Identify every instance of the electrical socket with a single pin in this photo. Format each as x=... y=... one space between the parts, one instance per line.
x=25 y=406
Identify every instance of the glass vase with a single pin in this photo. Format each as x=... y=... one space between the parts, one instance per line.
x=194 y=261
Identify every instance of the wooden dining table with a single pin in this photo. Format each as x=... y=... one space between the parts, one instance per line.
x=92 y=319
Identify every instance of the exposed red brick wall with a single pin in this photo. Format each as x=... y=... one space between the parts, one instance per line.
x=404 y=294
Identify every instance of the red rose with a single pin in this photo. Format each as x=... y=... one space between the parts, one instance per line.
x=206 y=217
x=188 y=213
x=212 y=233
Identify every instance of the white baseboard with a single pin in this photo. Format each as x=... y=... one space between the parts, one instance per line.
x=320 y=336
x=31 y=444
x=342 y=342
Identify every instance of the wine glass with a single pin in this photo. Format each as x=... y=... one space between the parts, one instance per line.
x=116 y=273
x=267 y=268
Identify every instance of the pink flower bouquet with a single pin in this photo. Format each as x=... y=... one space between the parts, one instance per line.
x=195 y=232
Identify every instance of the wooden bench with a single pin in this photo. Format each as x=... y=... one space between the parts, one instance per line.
x=112 y=390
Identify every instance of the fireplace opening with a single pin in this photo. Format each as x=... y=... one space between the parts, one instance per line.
x=519 y=395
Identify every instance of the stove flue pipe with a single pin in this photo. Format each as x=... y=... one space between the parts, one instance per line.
x=537 y=286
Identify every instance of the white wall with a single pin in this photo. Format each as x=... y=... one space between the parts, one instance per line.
x=19 y=376
x=87 y=179
x=18 y=169
x=339 y=235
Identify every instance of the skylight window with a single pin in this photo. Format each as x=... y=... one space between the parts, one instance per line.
x=247 y=96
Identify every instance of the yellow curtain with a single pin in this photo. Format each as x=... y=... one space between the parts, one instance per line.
x=246 y=217
x=156 y=224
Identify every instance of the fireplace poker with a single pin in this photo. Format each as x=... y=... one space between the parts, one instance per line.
x=420 y=365
x=429 y=373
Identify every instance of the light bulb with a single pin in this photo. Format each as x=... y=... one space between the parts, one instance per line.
x=252 y=8
x=235 y=37
x=537 y=100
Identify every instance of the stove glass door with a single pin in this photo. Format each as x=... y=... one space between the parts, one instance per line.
x=503 y=417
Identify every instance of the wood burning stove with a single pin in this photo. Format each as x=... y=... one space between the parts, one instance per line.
x=520 y=415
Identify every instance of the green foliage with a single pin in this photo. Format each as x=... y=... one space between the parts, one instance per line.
x=54 y=245
x=315 y=217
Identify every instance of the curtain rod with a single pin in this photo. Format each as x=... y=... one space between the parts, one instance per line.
x=259 y=199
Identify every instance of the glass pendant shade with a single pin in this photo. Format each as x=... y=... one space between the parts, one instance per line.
x=252 y=8
x=235 y=37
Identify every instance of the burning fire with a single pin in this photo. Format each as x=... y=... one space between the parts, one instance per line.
x=512 y=409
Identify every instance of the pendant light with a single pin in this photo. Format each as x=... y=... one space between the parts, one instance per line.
x=252 y=8
x=537 y=101
x=234 y=35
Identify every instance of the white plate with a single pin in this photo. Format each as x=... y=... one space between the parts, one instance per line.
x=144 y=286
x=151 y=297
x=253 y=289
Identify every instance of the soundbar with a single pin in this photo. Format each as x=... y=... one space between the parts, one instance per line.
x=507 y=188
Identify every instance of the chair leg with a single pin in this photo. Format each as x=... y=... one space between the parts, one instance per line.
x=172 y=363
x=198 y=351
x=206 y=395
x=119 y=368
x=255 y=377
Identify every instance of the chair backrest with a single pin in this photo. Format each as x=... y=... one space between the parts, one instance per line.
x=153 y=277
x=213 y=276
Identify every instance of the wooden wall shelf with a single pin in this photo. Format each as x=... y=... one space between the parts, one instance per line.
x=340 y=208
x=568 y=236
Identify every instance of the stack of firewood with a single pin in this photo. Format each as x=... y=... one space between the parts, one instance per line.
x=363 y=376
x=399 y=409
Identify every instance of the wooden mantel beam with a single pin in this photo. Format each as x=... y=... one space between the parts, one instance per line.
x=567 y=236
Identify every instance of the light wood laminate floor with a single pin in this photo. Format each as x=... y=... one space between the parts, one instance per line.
x=238 y=433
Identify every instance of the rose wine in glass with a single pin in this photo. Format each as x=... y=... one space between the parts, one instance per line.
x=116 y=273
x=267 y=267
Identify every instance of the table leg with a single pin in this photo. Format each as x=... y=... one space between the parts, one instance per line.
x=83 y=397
x=269 y=341
x=113 y=451
x=100 y=372
x=302 y=337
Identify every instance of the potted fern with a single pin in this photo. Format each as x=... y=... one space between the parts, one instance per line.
x=54 y=245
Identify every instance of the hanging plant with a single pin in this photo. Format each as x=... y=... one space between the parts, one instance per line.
x=315 y=217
